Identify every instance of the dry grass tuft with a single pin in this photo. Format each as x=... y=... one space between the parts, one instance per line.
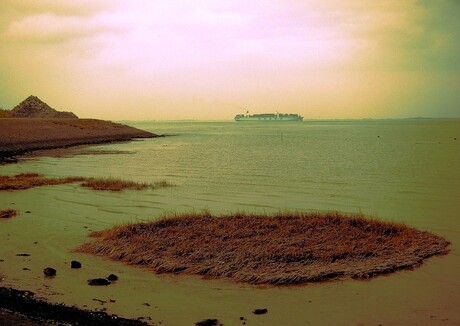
x=286 y=248
x=118 y=184
x=31 y=180
x=8 y=213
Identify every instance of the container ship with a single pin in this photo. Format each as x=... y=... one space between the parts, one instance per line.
x=269 y=117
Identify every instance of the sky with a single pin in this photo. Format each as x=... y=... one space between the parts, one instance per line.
x=211 y=59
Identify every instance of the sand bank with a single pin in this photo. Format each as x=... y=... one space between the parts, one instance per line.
x=18 y=136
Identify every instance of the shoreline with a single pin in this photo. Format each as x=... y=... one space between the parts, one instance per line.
x=20 y=136
x=23 y=136
x=22 y=306
x=60 y=218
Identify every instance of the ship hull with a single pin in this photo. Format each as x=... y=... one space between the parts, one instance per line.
x=270 y=117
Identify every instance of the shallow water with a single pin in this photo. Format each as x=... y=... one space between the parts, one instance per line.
x=404 y=170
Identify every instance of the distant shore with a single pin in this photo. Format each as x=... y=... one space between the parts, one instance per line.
x=22 y=135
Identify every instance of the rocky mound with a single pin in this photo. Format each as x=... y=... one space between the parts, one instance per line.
x=33 y=107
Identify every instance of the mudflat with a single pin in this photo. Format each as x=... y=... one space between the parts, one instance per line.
x=18 y=136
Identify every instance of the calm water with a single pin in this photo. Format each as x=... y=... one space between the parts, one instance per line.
x=404 y=170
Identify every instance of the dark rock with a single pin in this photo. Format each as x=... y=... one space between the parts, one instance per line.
x=98 y=281
x=23 y=255
x=26 y=269
x=112 y=277
x=49 y=271
x=25 y=303
x=260 y=311
x=75 y=264
x=27 y=212
x=209 y=322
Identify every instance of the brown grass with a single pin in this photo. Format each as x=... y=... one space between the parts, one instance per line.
x=118 y=184
x=31 y=180
x=6 y=113
x=286 y=248
x=8 y=213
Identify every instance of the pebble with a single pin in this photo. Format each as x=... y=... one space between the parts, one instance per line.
x=75 y=264
x=260 y=311
x=49 y=271
x=98 y=281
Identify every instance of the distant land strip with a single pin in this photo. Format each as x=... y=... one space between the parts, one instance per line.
x=19 y=136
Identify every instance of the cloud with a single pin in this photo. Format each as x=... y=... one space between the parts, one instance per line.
x=53 y=21
x=333 y=55
x=49 y=28
x=58 y=7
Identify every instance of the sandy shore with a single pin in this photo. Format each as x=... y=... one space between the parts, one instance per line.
x=18 y=136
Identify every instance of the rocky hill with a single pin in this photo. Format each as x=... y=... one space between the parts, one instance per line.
x=33 y=107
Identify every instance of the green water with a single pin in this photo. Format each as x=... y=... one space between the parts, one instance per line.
x=402 y=170
x=407 y=170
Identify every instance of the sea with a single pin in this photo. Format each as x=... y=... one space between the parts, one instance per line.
x=402 y=170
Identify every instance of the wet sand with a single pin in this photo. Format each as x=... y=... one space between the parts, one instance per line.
x=26 y=136
x=421 y=296
x=18 y=136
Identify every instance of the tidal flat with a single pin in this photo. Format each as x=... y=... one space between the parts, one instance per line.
x=399 y=171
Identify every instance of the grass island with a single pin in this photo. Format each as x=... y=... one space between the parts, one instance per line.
x=279 y=249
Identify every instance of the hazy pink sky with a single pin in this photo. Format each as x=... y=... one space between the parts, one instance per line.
x=175 y=59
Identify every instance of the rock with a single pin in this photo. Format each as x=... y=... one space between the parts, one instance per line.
x=112 y=277
x=75 y=264
x=23 y=255
x=260 y=311
x=209 y=322
x=33 y=107
x=98 y=281
x=49 y=271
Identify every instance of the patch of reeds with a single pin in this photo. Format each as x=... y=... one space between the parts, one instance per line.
x=8 y=213
x=118 y=184
x=31 y=180
x=285 y=248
